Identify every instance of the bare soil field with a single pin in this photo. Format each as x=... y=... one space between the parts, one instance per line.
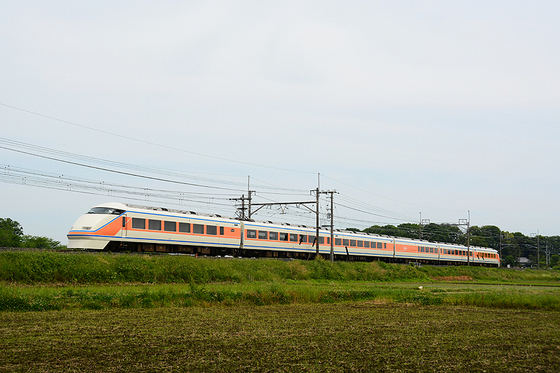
x=366 y=336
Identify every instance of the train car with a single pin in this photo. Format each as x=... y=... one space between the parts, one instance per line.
x=126 y=227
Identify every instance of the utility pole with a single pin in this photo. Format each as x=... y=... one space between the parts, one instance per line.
x=317 y=225
x=240 y=211
x=469 y=239
x=304 y=204
x=538 y=252
x=250 y=192
x=501 y=258
x=331 y=192
x=422 y=222
x=467 y=222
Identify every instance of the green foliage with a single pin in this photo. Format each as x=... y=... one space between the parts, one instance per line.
x=11 y=233
x=554 y=260
x=40 y=298
x=37 y=242
x=52 y=267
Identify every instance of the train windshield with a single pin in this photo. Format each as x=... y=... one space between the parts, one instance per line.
x=105 y=211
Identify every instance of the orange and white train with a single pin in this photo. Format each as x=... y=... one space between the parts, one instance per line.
x=125 y=227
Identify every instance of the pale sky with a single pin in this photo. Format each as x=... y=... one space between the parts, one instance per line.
x=403 y=107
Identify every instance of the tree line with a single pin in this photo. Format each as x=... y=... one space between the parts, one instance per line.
x=11 y=235
x=511 y=246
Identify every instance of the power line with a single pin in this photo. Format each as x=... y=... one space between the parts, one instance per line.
x=149 y=142
x=20 y=176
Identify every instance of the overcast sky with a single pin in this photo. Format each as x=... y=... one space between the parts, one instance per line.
x=404 y=107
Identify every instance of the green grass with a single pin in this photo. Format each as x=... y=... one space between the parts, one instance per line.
x=51 y=267
x=343 y=337
x=16 y=298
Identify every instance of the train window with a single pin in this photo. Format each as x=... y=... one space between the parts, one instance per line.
x=221 y=231
x=138 y=223
x=321 y=240
x=431 y=250
x=419 y=248
x=385 y=244
x=302 y=238
x=273 y=236
x=328 y=240
x=283 y=236
x=293 y=237
x=345 y=242
x=185 y=227
x=170 y=226
x=380 y=245
x=435 y=250
x=263 y=235
x=338 y=241
x=360 y=243
x=212 y=229
x=105 y=210
x=198 y=228
x=251 y=233
x=154 y=225
x=353 y=243
x=366 y=244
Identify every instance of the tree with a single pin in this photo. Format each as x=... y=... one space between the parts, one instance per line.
x=11 y=233
x=37 y=242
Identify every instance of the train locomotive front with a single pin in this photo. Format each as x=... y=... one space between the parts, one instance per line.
x=95 y=229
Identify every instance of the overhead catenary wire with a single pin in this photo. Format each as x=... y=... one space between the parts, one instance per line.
x=167 y=147
x=14 y=175
x=87 y=161
x=84 y=161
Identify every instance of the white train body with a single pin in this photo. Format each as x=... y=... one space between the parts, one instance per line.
x=124 y=227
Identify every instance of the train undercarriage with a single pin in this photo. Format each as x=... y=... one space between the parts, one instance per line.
x=134 y=247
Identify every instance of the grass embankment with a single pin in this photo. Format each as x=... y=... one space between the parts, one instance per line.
x=48 y=267
x=40 y=281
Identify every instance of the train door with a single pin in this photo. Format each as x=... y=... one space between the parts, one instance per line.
x=242 y=230
x=124 y=231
